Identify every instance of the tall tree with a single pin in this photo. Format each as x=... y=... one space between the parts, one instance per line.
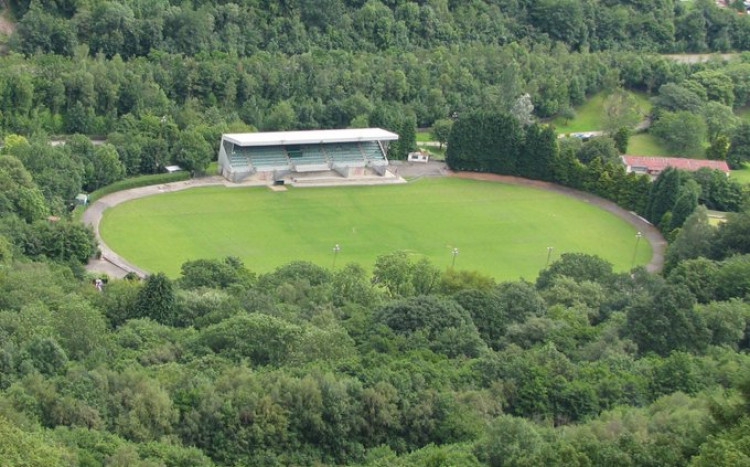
x=620 y=110
x=739 y=146
x=485 y=141
x=156 y=300
x=681 y=131
x=538 y=153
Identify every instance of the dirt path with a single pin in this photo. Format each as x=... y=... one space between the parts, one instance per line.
x=658 y=244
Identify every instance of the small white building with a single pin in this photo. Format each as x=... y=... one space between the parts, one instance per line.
x=419 y=156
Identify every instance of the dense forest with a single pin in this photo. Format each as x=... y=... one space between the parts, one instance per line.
x=407 y=364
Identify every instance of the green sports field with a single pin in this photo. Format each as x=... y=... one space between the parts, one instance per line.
x=501 y=230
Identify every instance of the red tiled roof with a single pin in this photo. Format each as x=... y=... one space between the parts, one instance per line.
x=660 y=163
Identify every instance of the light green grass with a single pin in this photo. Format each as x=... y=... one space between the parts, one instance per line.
x=589 y=114
x=500 y=230
x=742 y=175
x=213 y=168
x=646 y=144
x=744 y=113
x=423 y=134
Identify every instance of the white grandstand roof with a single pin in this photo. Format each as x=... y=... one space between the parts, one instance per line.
x=278 y=138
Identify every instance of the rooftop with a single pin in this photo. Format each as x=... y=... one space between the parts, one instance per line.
x=660 y=163
x=278 y=138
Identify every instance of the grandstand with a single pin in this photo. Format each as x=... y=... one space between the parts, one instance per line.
x=285 y=155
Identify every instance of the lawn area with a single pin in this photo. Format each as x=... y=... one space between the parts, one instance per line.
x=500 y=230
x=646 y=144
x=742 y=175
x=423 y=134
x=744 y=114
x=589 y=114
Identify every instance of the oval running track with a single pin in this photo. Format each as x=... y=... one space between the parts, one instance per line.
x=114 y=265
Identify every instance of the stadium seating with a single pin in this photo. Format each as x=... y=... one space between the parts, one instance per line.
x=311 y=155
x=308 y=159
x=267 y=157
x=372 y=151
x=345 y=154
x=239 y=160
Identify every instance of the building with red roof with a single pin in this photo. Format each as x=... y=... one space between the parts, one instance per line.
x=654 y=165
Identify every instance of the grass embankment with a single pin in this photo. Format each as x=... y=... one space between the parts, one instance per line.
x=500 y=230
x=589 y=114
x=646 y=144
x=742 y=175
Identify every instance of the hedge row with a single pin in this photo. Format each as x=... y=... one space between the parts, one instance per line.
x=135 y=182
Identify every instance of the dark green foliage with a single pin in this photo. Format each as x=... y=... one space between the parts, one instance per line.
x=486 y=312
x=538 y=153
x=445 y=324
x=733 y=236
x=621 y=138
x=680 y=131
x=685 y=203
x=214 y=274
x=699 y=275
x=485 y=142
x=739 y=146
x=674 y=97
x=156 y=300
x=47 y=356
x=717 y=191
x=192 y=152
x=61 y=240
x=733 y=278
x=402 y=277
x=727 y=321
x=602 y=147
x=577 y=266
x=407 y=137
x=262 y=339
x=441 y=130
x=696 y=238
x=667 y=322
x=663 y=194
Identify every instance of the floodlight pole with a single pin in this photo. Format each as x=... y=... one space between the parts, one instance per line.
x=454 y=252
x=549 y=255
x=336 y=249
x=635 y=249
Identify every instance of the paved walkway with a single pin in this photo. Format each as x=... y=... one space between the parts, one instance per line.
x=115 y=266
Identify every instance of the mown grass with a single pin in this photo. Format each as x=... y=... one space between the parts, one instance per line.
x=589 y=114
x=500 y=230
x=423 y=134
x=742 y=175
x=646 y=144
